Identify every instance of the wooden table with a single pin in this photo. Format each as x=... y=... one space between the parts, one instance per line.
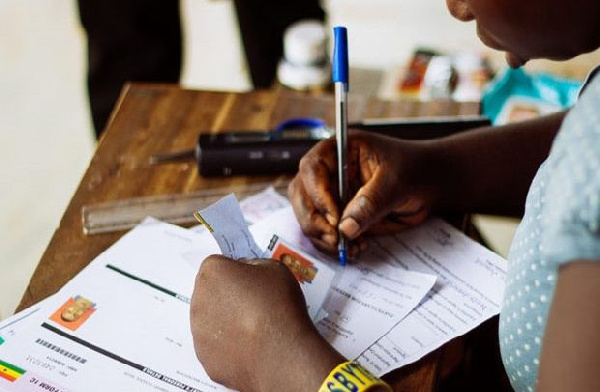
x=150 y=119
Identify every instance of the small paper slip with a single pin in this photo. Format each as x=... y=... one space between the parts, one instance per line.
x=225 y=221
x=227 y=225
x=315 y=276
x=256 y=207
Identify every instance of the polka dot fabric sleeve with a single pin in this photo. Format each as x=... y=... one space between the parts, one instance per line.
x=572 y=218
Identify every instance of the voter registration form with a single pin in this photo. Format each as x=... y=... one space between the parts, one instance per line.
x=122 y=324
x=468 y=290
x=131 y=335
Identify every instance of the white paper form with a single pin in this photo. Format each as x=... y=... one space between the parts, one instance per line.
x=257 y=207
x=121 y=346
x=283 y=223
x=155 y=251
x=134 y=334
x=468 y=290
x=10 y=327
x=359 y=298
x=155 y=262
x=366 y=302
x=471 y=281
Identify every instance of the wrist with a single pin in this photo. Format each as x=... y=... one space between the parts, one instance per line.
x=351 y=376
x=447 y=175
x=433 y=172
x=301 y=365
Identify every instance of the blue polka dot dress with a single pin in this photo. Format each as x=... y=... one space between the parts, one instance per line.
x=561 y=223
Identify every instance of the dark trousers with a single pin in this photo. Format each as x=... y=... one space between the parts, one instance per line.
x=141 y=41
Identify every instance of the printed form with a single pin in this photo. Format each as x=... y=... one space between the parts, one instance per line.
x=123 y=322
x=468 y=291
x=352 y=307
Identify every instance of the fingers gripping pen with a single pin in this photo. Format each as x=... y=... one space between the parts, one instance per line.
x=340 y=80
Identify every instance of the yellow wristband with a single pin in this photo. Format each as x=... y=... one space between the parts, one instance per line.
x=350 y=376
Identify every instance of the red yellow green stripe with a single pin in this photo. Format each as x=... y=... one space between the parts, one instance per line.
x=10 y=372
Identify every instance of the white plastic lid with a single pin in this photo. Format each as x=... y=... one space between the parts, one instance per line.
x=303 y=77
x=305 y=43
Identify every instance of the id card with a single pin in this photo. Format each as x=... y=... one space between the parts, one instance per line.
x=315 y=276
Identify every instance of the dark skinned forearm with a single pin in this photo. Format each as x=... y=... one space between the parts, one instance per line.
x=302 y=366
x=489 y=170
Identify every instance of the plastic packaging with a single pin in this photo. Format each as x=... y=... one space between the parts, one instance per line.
x=515 y=95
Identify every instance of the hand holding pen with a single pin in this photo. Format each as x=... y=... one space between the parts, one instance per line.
x=390 y=191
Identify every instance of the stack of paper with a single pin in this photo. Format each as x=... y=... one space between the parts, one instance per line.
x=122 y=324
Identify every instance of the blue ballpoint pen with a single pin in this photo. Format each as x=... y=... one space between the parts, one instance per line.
x=339 y=77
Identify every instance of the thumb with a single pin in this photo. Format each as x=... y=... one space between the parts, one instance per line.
x=370 y=204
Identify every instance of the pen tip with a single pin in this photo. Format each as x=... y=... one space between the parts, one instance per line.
x=343 y=258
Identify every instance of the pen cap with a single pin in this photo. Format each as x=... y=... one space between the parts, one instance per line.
x=340 y=56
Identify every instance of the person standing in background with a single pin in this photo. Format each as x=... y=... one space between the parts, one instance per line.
x=141 y=41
